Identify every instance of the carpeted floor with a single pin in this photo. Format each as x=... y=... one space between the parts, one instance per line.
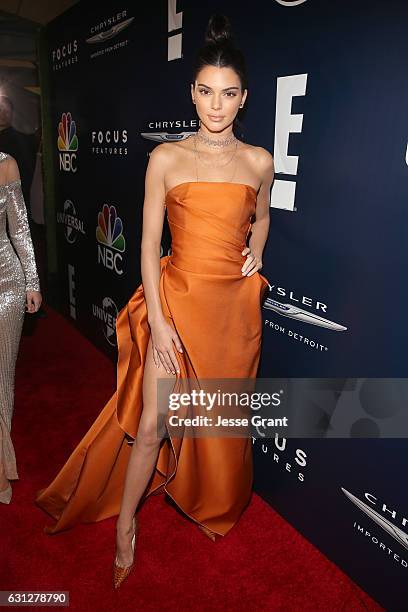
x=62 y=382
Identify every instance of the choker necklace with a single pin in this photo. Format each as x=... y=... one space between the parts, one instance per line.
x=216 y=143
x=217 y=162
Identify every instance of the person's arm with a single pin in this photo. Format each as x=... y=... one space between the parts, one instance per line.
x=260 y=227
x=153 y=218
x=18 y=227
x=163 y=334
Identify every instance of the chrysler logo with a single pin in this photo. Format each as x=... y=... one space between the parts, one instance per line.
x=389 y=527
x=111 y=33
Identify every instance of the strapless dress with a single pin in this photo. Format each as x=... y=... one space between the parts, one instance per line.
x=216 y=312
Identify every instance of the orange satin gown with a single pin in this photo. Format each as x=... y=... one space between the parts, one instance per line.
x=216 y=312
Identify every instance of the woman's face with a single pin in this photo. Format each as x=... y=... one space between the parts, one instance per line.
x=217 y=95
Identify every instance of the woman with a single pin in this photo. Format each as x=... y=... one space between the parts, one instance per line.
x=19 y=286
x=196 y=315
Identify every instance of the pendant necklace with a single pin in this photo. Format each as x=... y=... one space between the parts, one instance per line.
x=197 y=156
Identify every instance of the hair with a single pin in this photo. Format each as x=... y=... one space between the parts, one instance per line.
x=220 y=50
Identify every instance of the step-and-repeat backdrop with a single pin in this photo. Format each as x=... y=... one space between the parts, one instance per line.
x=328 y=98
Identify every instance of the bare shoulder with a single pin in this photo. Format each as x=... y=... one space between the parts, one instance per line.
x=167 y=153
x=162 y=160
x=265 y=158
x=159 y=161
x=261 y=157
x=261 y=163
x=161 y=152
x=12 y=170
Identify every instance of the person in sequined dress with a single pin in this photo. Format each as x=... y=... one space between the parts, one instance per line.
x=19 y=289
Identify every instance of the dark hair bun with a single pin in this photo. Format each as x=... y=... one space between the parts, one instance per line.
x=218 y=30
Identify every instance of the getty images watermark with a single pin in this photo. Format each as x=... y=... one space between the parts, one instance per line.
x=288 y=407
x=218 y=407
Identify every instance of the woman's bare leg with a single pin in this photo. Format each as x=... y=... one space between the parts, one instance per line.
x=143 y=456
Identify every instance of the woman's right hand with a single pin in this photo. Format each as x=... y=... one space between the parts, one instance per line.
x=163 y=336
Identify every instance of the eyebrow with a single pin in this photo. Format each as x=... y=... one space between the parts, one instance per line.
x=208 y=87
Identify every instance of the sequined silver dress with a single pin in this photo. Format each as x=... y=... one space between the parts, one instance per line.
x=18 y=274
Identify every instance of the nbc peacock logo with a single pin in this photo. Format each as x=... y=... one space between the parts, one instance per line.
x=67 y=143
x=67 y=137
x=109 y=234
x=110 y=229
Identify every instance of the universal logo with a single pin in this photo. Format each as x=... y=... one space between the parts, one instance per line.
x=109 y=142
x=379 y=516
x=72 y=224
x=109 y=234
x=67 y=143
x=107 y=314
x=65 y=55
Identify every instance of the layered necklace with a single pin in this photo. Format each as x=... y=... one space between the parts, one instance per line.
x=221 y=142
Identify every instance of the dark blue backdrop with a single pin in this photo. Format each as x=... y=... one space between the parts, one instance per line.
x=328 y=98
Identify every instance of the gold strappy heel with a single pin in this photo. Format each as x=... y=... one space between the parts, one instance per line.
x=210 y=534
x=121 y=573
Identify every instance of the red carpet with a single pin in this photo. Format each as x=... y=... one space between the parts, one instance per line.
x=62 y=383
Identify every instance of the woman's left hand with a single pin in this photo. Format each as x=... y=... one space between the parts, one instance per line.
x=33 y=301
x=252 y=264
